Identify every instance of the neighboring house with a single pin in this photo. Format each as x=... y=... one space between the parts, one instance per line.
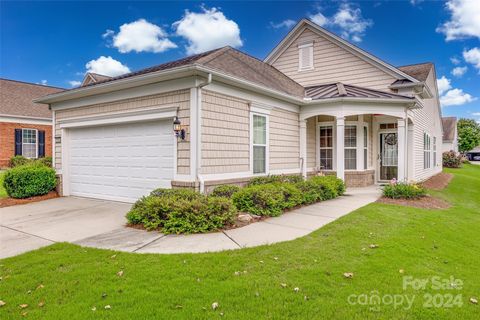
x=450 y=138
x=317 y=103
x=474 y=154
x=25 y=126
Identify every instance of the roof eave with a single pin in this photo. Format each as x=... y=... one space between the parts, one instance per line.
x=402 y=101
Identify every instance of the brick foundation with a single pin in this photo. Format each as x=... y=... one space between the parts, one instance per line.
x=355 y=179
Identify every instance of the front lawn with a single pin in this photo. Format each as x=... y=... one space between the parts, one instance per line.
x=3 y=192
x=258 y=283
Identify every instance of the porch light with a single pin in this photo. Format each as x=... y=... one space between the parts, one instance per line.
x=177 y=128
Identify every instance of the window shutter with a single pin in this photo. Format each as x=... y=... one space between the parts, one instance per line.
x=18 y=142
x=41 y=144
x=305 y=56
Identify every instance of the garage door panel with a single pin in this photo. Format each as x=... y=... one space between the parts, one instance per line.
x=121 y=162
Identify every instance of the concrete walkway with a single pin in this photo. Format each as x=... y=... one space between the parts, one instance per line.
x=100 y=224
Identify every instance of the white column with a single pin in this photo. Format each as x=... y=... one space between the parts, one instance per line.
x=360 y=143
x=303 y=147
x=402 y=150
x=340 y=159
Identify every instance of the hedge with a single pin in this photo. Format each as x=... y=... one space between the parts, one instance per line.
x=17 y=161
x=29 y=180
x=226 y=190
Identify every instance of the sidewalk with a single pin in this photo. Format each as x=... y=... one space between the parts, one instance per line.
x=289 y=226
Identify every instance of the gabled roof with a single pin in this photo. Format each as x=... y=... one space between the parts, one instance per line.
x=339 y=90
x=419 y=71
x=16 y=99
x=449 y=127
x=91 y=77
x=230 y=61
x=368 y=57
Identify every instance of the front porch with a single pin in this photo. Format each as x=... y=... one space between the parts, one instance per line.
x=362 y=140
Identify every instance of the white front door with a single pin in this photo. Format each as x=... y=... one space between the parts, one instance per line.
x=120 y=162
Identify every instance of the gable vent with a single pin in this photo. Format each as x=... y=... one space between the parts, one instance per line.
x=305 y=56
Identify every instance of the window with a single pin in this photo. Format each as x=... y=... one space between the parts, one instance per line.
x=350 y=147
x=326 y=147
x=29 y=143
x=259 y=143
x=305 y=56
x=426 y=151
x=365 y=148
x=434 y=151
x=384 y=126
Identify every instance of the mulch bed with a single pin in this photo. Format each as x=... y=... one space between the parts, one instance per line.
x=8 y=202
x=426 y=202
x=438 y=182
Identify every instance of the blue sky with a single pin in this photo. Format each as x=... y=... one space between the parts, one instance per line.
x=56 y=42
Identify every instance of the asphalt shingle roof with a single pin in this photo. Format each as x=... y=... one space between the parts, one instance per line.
x=449 y=124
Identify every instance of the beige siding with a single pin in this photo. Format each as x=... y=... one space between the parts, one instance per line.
x=427 y=120
x=225 y=134
x=331 y=64
x=284 y=140
x=180 y=99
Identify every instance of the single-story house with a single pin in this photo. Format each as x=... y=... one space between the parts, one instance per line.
x=25 y=126
x=317 y=103
x=474 y=154
x=450 y=137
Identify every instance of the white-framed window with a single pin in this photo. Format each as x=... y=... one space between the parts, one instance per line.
x=259 y=143
x=350 y=147
x=326 y=147
x=365 y=147
x=30 y=143
x=426 y=151
x=305 y=56
x=434 y=151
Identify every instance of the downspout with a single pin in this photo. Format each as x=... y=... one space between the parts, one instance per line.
x=198 y=133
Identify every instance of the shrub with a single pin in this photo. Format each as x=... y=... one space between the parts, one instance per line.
x=176 y=214
x=186 y=194
x=310 y=191
x=29 y=180
x=452 y=160
x=17 y=161
x=402 y=190
x=337 y=183
x=292 y=196
x=327 y=185
x=275 y=179
x=225 y=191
x=262 y=199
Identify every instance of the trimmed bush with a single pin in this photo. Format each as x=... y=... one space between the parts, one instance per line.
x=225 y=191
x=401 y=190
x=29 y=180
x=451 y=160
x=311 y=192
x=327 y=185
x=262 y=199
x=17 y=161
x=292 y=196
x=181 y=211
x=275 y=179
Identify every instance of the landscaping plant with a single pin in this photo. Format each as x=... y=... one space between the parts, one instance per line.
x=274 y=179
x=452 y=160
x=29 y=180
x=17 y=161
x=226 y=190
x=403 y=190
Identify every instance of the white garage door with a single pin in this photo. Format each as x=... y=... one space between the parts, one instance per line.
x=120 y=162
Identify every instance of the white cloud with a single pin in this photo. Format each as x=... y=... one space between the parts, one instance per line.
x=473 y=56
x=459 y=71
x=415 y=2
x=42 y=82
x=455 y=60
x=477 y=114
x=284 y=24
x=464 y=21
x=107 y=66
x=208 y=29
x=348 y=19
x=140 y=36
x=443 y=85
x=455 y=97
x=74 y=83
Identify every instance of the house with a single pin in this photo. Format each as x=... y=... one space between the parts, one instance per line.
x=25 y=126
x=450 y=138
x=316 y=103
x=474 y=154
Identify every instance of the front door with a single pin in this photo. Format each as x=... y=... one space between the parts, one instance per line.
x=388 y=155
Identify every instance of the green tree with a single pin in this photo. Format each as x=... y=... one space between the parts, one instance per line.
x=468 y=134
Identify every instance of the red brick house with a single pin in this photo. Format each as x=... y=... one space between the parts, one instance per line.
x=25 y=126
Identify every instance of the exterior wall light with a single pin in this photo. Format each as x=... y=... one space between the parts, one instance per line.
x=177 y=128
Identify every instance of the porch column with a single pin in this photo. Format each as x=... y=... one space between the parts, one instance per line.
x=402 y=150
x=340 y=159
x=360 y=162
x=303 y=148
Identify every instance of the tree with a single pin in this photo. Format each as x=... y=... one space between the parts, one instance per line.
x=468 y=134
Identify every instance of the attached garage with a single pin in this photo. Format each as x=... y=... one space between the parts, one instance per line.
x=121 y=161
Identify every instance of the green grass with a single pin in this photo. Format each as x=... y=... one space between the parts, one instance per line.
x=3 y=192
x=424 y=243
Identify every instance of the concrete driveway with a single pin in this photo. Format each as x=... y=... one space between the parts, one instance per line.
x=31 y=226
